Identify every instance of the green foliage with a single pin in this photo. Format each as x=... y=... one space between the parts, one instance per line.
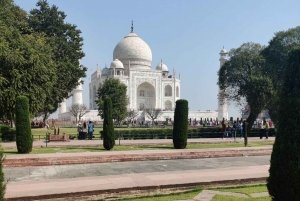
x=7 y=133
x=23 y=129
x=180 y=127
x=244 y=80
x=2 y=182
x=116 y=91
x=108 y=126
x=66 y=43
x=276 y=55
x=25 y=61
x=283 y=182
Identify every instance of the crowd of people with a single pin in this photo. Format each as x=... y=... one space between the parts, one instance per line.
x=85 y=130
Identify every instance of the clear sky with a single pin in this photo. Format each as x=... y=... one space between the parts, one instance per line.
x=186 y=34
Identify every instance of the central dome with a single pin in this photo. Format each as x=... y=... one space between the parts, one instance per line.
x=134 y=50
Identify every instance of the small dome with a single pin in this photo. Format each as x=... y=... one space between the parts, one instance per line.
x=223 y=51
x=134 y=50
x=116 y=64
x=161 y=66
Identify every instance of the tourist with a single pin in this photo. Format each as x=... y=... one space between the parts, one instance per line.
x=235 y=128
x=241 y=129
x=90 y=130
x=267 y=127
x=261 y=129
x=84 y=131
x=79 y=130
x=223 y=129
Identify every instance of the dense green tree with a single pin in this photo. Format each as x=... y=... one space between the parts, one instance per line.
x=108 y=125
x=276 y=55
x=243 y=79
x=116 y=90
x=283 y=182
x=180 y=124
x=25 y=61
x=66 y=42
x=2 y=181
x=23 y=129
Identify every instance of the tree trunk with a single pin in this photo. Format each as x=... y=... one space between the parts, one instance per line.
x=251 y=118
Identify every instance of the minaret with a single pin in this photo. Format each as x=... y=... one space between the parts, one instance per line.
x=77 y=93
x=63 y=106
x=222 y=102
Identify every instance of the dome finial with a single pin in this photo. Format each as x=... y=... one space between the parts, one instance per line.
x=131 y=26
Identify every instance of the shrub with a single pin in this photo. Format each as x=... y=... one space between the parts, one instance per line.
x=23 y=129
x=283 y=182
x=7 y=133
x=180 y=124
x=108 y=126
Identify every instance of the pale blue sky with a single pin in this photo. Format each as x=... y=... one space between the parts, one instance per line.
x=188 y=35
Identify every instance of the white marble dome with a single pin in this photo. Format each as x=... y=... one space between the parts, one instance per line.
x=132 y=48
x=161 y=66
x=223 y=51
x=116 y=64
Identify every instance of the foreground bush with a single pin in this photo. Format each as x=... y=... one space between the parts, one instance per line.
x=180 y=127
x=2 y=182
x=23 y=129
x=283 y=182
x=108 y=125
x=7 y=133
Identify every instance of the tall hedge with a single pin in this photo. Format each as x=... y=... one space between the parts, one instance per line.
x=283 y=182
x=180 y=127
x=23 y=129
x=108 y=126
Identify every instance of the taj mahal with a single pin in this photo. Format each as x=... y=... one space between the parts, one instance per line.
x=146 y=87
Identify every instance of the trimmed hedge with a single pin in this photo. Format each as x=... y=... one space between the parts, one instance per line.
x=180 y=124
x=23 y=128
x=108 y=125
x=283 y=182
x=166 y=133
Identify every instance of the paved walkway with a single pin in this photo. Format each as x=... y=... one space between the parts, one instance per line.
x=134 y=142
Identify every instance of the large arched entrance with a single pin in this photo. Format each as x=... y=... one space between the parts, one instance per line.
x=145 y=96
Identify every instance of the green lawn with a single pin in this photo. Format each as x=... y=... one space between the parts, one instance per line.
x=189 y=195
x=74 y=149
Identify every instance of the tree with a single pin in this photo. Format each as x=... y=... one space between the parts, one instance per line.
x=116 y=90
x=243 y=79
x=180 y=124
x=276 y=55
x=108 y=126
x=25 y=61
x=78 y=111
x=23 y=128
x=131 y=114
x=66 y=42
x=283 y=182
x=153 y=114
x=2 y=182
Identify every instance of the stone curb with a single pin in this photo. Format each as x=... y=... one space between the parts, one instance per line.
x=107 y=158
x=118 y=192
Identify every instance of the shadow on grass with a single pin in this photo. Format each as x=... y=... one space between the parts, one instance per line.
x=86 y=148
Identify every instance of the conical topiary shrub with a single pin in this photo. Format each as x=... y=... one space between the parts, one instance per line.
x=283 y=182
x=180 y=124
x=23 y=129
x=108 y=126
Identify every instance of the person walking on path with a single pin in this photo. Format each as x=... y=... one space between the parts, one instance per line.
x=241 y=127
x=235 y=128
x=223 y=129
x=267 y=127
x=261 y=129
x=90 y=130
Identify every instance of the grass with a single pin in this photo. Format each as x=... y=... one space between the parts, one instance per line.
x=76 y=149
x=189 y=195
x=170 y=197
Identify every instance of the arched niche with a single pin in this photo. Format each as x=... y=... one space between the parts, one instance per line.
x=168 y=90
x=177 y=91
x=168 y=105
x=145 y=96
